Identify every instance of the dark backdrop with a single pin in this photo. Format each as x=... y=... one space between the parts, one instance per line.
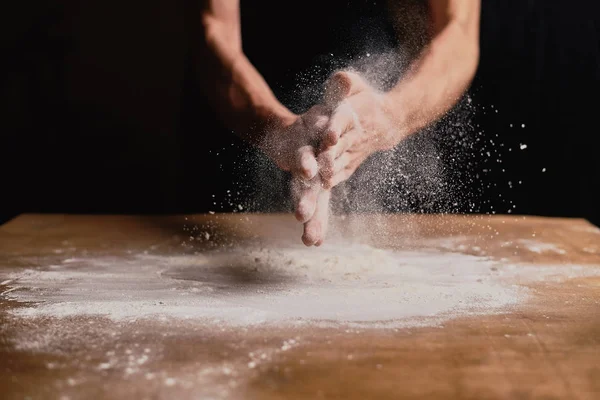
x=101 y=111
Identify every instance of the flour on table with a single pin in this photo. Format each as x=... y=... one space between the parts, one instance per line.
x=341 y=284
x=540 y=247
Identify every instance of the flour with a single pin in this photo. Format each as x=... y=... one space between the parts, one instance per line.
x=540 y=247
x=336 y=284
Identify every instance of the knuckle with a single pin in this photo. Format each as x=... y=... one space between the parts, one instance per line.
x=304 y=156
x=333 y=134
x=321 y=122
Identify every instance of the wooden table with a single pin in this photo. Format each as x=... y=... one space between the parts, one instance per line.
x=545 y=348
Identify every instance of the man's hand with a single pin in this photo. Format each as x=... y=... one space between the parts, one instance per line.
x=312 y=209
x=360 y=124
x=291 y=144
x=364 y=120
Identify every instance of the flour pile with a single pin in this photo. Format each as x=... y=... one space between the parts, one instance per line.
x=355 y=285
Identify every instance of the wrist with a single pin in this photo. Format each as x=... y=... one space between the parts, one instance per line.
x=269 y=126
x=258 y=110
x=278 y=119
x=268 y=121
x=398 y=115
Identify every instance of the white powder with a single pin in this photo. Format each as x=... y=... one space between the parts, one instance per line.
x=334 y=284
x=540 y=247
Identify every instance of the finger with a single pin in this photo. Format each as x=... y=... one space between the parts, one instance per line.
x=316 y=228
x=330 y=136
x=325 y=161
x=305 y=198
x=340 y=164
x=342 y=120
x=304 y=163
x=327 y=158
x=340 y=176
x=342 y=85
x=316 y=119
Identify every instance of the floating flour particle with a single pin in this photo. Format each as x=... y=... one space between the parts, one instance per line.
x=170 y=382
x=142 y=360
x=104 y=366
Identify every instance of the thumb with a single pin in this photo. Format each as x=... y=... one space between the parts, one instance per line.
x=341 y=85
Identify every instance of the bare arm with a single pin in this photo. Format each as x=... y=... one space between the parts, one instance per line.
x=241 y=96
x=443 y=69
x=247 y=105
x=364 y=120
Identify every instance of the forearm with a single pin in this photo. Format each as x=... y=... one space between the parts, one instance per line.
x=435 y=81
x=239 y=93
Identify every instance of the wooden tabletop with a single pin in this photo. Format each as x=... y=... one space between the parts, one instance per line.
x=546 y=347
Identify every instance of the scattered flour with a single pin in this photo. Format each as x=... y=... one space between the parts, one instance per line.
x=334 y=284
x=540 y=247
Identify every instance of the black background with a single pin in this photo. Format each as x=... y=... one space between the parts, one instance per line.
x=101 y=111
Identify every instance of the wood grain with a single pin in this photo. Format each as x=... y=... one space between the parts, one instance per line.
x=546 y=348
